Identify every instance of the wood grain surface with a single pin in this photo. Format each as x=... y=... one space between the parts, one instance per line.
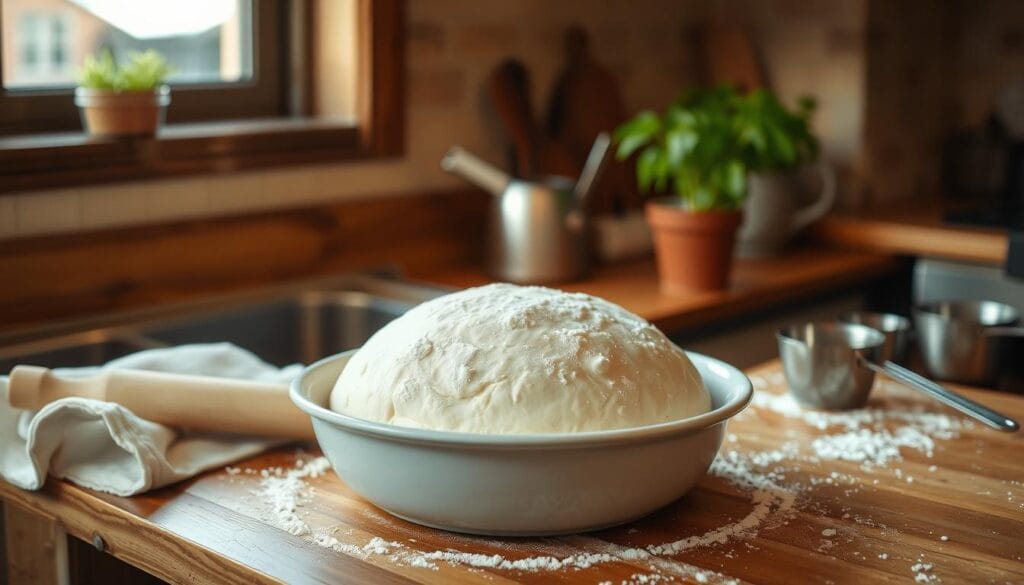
x=915 y=228
x=73 y=275
x=36 y=549
x=960 y=513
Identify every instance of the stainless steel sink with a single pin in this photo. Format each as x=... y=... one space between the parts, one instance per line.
x=300 y=322
x=302 y=328
x=84 y=353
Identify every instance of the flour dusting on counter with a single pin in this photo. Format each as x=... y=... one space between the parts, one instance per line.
x=284 y=491
x=874 y=438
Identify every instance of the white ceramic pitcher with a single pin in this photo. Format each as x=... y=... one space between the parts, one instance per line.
x=771 y=213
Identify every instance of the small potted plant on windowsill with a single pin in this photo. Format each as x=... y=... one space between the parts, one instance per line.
x=126 y=100
x=698 y=154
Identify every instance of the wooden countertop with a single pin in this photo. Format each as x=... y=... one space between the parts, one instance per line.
x=950 y=509
x=914 y=229
x=756 y=284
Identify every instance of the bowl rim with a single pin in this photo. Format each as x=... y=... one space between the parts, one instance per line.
x=733 y=406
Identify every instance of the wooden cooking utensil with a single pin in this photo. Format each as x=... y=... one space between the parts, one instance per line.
x=732 y=57
x=198 y=402
x=535 y=154
x=509 y=88
x=585 y=102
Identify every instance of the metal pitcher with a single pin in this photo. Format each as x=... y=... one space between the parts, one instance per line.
x=537 y=233
x=537 y=229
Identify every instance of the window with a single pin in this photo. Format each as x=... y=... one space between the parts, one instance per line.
x=211 y=43
x=257 y=83
x=42 y=45
x=227 y=56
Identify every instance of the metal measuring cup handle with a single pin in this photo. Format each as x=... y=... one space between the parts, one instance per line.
x=945 y=395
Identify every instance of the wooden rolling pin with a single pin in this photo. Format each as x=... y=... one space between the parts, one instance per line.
x=196 y=402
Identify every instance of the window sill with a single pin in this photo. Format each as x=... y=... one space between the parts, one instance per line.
x=60 y=160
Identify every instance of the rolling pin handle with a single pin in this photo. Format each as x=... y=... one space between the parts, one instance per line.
x=33 y=387
x=24 y=388
x=246 y=407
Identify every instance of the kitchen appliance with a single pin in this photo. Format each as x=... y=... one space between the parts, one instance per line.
x=1015 y=254
x=519 y=485
x=983 y=172
x=964 y=340
x=832 y=366
x=537 y=229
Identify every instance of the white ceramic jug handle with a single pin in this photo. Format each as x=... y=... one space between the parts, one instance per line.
x=815 y=211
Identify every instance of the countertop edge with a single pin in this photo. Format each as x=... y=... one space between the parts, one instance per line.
x=925 y=237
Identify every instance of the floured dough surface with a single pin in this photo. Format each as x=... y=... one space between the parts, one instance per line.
x=505 y=359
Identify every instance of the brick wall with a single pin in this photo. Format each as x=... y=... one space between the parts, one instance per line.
x=810 y=46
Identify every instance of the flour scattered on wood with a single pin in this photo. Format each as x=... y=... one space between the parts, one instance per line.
x=923 y=573
x=285 y=490
x=872 y=437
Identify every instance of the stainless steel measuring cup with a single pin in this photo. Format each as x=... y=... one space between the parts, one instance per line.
x=832 y=365
x=895 y=328
x=822 y=363
x=965 y=341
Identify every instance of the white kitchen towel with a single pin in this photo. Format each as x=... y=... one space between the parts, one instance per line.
x=103 y=446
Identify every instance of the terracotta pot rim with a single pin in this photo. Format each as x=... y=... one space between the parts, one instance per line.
x=675 y=218
x=671 y=202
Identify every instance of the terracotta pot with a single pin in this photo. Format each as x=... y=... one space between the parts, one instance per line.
x=693 y=249
x=122 y=113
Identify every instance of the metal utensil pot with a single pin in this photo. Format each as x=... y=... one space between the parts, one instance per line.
x=537 y=233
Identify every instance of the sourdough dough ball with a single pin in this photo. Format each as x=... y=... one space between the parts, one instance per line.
x=509 y=359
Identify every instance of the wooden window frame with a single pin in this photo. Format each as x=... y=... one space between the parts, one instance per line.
x=33 y=111
x=45 y=161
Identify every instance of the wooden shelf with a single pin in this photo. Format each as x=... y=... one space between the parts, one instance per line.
x=756 y=284
x=915 y=230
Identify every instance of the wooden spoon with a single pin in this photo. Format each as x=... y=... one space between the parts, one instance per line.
x=535 y=155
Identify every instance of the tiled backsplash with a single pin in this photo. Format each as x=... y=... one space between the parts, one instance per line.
x=809 y=47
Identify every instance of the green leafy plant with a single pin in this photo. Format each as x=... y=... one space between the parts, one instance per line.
x=141 y=72
x=705 y=143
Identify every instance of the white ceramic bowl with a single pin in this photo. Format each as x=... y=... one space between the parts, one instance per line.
x=521 y=485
